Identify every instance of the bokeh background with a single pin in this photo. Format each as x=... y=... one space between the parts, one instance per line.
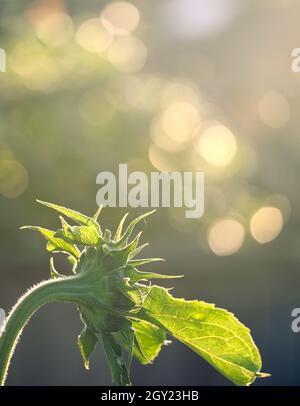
x=161 y=85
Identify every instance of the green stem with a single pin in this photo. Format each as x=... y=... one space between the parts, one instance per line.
x=50 y=291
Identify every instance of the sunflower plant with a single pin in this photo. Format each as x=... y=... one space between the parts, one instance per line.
x=122 y=310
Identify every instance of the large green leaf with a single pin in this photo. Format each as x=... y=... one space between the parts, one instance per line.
x=213 y=333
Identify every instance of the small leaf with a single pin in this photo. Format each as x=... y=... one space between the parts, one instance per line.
x=87 y=341
x=213 y=333
x=150 y=339
x=82 y=235
x=113 y=351
x=136 y=293
x=55 y=244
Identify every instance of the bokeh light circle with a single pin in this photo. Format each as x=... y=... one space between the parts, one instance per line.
x=217 y=145
x=226 y=236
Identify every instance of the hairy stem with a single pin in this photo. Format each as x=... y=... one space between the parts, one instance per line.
x=62 y=289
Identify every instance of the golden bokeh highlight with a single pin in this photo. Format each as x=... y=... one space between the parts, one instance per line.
x=266 y=224
x=40 y=71
x=226 y=236
x=282 y=203
x=55 y=29
x=92 y=36
x=217 y=145
x=175 y=125
x=120 y=17
x=161 y=139
x=179 y=121
x=127 y=54
x=13 y=178
x=274 y=110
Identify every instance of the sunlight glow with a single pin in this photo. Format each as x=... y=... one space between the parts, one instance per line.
x=120 y=17
x=127 y=54
x=13 y=178
x=93 y=37
x=55 y=29
x=266 y=224
x=179 y=121
x=226 y=236
x=217 y=145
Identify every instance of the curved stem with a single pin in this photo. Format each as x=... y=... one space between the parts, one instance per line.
x=62 y=289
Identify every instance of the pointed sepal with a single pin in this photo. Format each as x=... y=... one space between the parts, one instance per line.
x=79 y=218
x=55 y=244
x=120 y=228
x=135 y=275
x=128 y=231
x=143 y=261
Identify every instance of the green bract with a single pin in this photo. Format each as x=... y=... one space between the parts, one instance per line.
x=122 y=309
